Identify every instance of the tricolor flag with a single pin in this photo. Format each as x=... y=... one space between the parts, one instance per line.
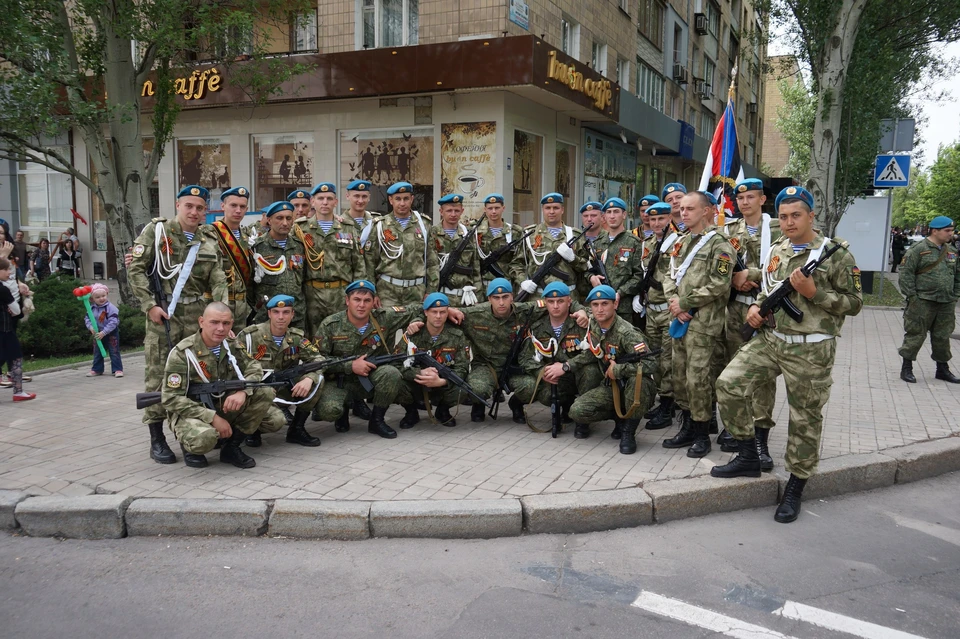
x=723 y=170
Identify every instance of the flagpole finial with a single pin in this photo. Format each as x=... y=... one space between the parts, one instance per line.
x=733 y=83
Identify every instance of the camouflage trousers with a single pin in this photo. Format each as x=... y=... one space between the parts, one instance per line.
x=256 y=413
x=696 y=361
x=394 y=295
x=410 y=391
x=762 y=401
x=320 y=304
x=806 y=371
x=333 y=399
x=155 y=351
x=595 y=403
x=307 y=405
x=567 y=387
x=483 y=380
x=658 y=334
x=922 y=317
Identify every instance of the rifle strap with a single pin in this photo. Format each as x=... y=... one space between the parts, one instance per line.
x=927 y=269
x=617 y=403
x=376 y=327
x=313 y=391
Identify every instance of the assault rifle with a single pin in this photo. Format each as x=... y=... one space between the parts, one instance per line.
x=647 y=280
x=453 y=257
x=599 y=268
x=208 y=392
x=503 y=387
x=778 y=298
x=162 y=300
x=556 y=423
x=549 y=262
x=423 y=359
x=490 y=262
x=379 y=360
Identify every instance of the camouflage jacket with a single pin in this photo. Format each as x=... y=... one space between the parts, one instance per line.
x=622 y=338
x=232 y=271
x=450 y=348
x=748 y=246
x=565 y=347
x=332 y=256
x=940 y=283
x=467 y=270
x=622 y=257
x=257 y=341
x=289 y=281
x=337 y=337
x=655 y=295
x=387 y=237
x=492 y=337
x=706 y=285
x=487 y=243
x=539 y=246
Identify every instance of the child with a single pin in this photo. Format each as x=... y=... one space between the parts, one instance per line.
x=107 y=331
x=9 y=345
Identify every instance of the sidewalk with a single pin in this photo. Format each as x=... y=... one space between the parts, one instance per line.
x=83 y=436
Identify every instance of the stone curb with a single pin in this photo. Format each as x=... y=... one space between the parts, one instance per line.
x=113 y=516
x=76 y=365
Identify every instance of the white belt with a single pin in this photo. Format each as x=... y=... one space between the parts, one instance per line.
x=417 y=281
x=452 y=291
x=812 y=338
x=657 y=307
x=745 y=299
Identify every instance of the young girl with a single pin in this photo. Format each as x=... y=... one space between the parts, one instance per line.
x=9 y=345
x=107 y=330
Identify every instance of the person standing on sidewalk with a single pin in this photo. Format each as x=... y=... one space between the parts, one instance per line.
x=930 y=281
x=106 y=329
x=899 y=244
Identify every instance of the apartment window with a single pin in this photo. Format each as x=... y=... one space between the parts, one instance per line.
x=389 y=23
x=304 y=32
x=692 y=120
x=713 y=19
x=708 y=123
x=678 y=48
x=233 y=41
x=598 y=58
x=623 y=73
x=675 y=108
x=650 y=21
x=709 y=73
x=650 y=85
x=46 y=196
x=570 y=37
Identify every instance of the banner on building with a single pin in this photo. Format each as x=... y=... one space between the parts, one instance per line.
x=468 y=162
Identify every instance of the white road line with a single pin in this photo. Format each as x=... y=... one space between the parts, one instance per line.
x=690 y=614
x=944 y=533
x=840 y=623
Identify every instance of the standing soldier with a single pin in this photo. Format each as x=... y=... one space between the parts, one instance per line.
x=232 y=238
x=930 y=280
x=278 y=263
x=643 y=231
x=493 y=235
x=399 y=257
x=300 y=200
x=461 y=286
x=358 y=196
x=621 y=254
x=185 y=264
x=701 y=266
x=803 y=352
x=591 y=215
x=672 y=194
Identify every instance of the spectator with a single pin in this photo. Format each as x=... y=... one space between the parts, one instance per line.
x=40 y=263
x=107 y=331
x=20 y=255
x=899 y=248
x=68 y=260
x=9 y=314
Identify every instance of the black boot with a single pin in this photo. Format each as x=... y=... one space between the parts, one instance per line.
x=377 y=426
x=565 y=414
x=628 y=438
x=231 y=453
x=943 y=372
x=192 y=460
x=444 y=417
x=714 y=424
x=254 y=440
x=663 y=415
x=766 y=461
x=411 y=417
x=159 y=450
x=361 y=410
x=653 y=411
x=789 y=508
x=516 y=407
x=684 y=437
x=287 y=414
x=342 y=424
x=581 y=431
x=906 y=372
x=617 y=431
x=297 y=432
x=727 y=443
x=478 y=413
x=701 y=442
x=745 y=464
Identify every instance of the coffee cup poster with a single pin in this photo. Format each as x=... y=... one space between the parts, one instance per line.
x=468 y=163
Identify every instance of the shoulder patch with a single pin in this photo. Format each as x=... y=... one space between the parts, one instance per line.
x=138 y=250
x=541 y=303
x=856 y=279
x=399 y=309
x=174 y=380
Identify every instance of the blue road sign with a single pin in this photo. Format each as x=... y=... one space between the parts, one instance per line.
x=891 y=170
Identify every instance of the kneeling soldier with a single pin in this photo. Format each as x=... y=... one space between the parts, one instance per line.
x=207 y=357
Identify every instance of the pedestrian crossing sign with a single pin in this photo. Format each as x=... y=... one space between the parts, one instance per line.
x=891 y=170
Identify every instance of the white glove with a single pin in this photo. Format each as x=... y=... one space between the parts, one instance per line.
x=469 y=298
x=529 y=286
x=637 y=306
x=566 y=252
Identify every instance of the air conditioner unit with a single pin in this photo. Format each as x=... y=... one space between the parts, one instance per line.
x=700 y=23
x=753 y=107
x=680 y=74
x=706 y=92
x=698 y=84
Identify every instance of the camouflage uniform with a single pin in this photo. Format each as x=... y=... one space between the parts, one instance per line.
x=238 y=286
x=289 y=282
x=205 y=284
x=192 y=421
x=931 y=298
x=658 y=315
x=332 y=261
x=486 y=243
x=416 y=276
x=450 y=348
x=257 y=342
x=622 y=258
x=467 y=270
x=567 y=348
x=538 y=247
x=803 y=352
x=368 y=217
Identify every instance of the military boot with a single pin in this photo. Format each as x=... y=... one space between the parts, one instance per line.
x=231 y=453
x=342 y=424
x=286 y=414
x=766 y=461
x=906 y=372
x=516 y=407
x=297 y=432
x=617 y=431
x=663 y=415
x=628 y=438
x=254 y=439
x=361 y=410
x=316 y=413
x=192 y=460
x=411 y=417
x=377 y=426
x=726 y=441
x=701 y=441
x=789 y=508
x=159 y=450
x=478 y=413
x=444 y=417
x=943 y=372
x=684 y=436
x=745 y=464
x=581 y=431
x=565 y=414
x=714 y=422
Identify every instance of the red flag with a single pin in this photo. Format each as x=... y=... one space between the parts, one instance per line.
x=77 y=216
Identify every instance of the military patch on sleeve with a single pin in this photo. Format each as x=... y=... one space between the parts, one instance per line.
x=174 y=380
x=723 y=263
x=138 y=250
x=856 y=279
x=399 y=309
x=735 y=243
x=541 y=303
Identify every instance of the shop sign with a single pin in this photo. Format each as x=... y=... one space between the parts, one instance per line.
x=193 y=87
x=599 y=91
x=520 y=13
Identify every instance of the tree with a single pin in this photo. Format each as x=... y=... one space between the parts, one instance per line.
x=795 y=122
x=78 y=68
x=932 y=192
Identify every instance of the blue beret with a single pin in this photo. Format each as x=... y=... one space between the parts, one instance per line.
x=450 y=198
x=436 y=300
x=359 y=185
x=276 y=207
x=280 y=301
x=324 y=187
x=647 y=200
x=551 y=198
x=750 y=184
x=940 y=222
x=493 y=198
x=670 y=188
x=614 y=203
x=660 y=208
x=194 y=190
x=556 y=289
x=298 y=195
x=361 y=285
x=400 y=187
x=793 y=193
x=499 y=286
x=591 y=206
x=602 y=292
x=711 y=197
x=239 y=191
x=677 y=328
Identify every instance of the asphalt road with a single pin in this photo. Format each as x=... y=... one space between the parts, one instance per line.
x=889 y=557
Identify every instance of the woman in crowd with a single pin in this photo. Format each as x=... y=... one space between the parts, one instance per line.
x=40 y=264
x=68 y=259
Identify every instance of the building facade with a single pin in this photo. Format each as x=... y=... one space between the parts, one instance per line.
x=776 y=150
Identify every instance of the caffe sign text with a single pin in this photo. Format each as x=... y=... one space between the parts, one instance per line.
x=193 y=87
x=597 y=90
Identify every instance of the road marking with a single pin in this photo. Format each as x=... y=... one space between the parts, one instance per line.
x=690 y=614
x=943 y=533
x=840 y=623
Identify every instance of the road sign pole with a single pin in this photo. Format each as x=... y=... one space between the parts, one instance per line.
x=886 y=244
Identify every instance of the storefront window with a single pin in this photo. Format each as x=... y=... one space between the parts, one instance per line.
x=527 y=182
x=205 y=162
x=387 y=156
x=282 y=163
x=46 y=197
x=610 y=168
x=566 y=170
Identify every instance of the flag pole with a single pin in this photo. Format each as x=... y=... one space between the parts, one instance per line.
x=721 y=214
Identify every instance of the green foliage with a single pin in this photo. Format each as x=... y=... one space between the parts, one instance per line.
x=932 y=192
x=795 y=123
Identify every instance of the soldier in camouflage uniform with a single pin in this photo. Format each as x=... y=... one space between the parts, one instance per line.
x=930 y=280
x=361 y=330
x=591 y=213
x=449 y=347
x=621 y=253
x=358 y=195
x=232 y=238
x=399 y=258
x=464 y=281
x=165 y=245
x=493 y=234
x=207 y=356
x=278 y=346
x=331 y=254
x=300 y=200
x=609 y=337
x=278 y=261
x=672 y=194
x=802 y=352
x=701 y=267
x=643 y=231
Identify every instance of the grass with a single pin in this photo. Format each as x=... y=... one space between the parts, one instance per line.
x=50 y=362
x=891 y=295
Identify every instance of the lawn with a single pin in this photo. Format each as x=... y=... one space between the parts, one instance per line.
x=51 y=362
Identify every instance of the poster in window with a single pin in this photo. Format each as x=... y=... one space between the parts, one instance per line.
x=282 y=163
x=205 y=161
x=528 y=159
x=387 y=156
x=613 y=164
x=468 y=163
x=566 y=170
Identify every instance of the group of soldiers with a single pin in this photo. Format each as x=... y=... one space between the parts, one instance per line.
x=330 y=310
